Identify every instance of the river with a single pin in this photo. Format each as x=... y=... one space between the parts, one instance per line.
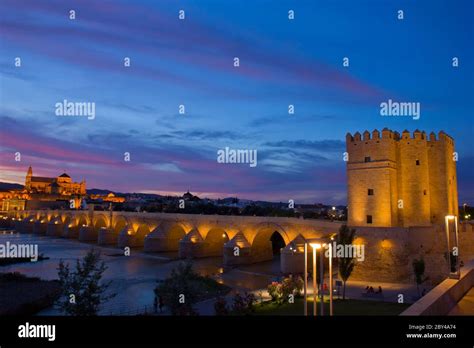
x=133 y=277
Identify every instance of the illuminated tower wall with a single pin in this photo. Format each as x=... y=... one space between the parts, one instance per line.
x=406 y=180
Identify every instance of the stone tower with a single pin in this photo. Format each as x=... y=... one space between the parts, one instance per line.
x=400 y=180
x=29 y=174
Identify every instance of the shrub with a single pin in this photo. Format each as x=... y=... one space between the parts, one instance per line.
x=280 y=292
x=244 y=305
x=291 y=286
x=274 y=290
x=220 y=306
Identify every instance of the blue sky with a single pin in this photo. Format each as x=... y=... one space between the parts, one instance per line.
x=190 y=62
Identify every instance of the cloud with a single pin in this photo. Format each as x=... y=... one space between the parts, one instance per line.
x=329 y=145
x=163 y=167
x=152 y=33
x=285 y=119
x=201 y=134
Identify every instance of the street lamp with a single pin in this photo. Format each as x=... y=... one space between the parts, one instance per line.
x=315 y=246
x=321 y=279
x=305 y=278
x=448 y=219
x=330 y=279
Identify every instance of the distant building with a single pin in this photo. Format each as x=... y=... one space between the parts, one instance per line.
x=111 y=197
x=400 y=180
x=61 y=185
x=188 y=196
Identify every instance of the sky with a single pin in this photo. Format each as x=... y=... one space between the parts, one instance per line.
x=190 y=62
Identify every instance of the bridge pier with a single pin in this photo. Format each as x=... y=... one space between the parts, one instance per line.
x=106 y=236
x=24 y=226
x=39 y=227
x=29 y=226
x=159 y=245
x=159 y=241
x=126 y=238
x=18 y=225
x=87 y=234
x=237 y=251
x=5 y=222
x=70 y=231
x=194 y=246
x=54 y=229
x=292 y=256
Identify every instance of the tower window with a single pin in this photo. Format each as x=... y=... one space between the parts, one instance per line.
x=369 y=219
x=417 y=162
x=424 y=192
x=367 y=159
x=370 y=192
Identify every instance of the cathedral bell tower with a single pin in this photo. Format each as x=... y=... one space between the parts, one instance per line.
x=29 y=174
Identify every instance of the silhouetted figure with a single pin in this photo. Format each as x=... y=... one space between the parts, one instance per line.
x=379 y=291
x=160 y=300
x=155 y=304
x=371 y=290
x=367 y=289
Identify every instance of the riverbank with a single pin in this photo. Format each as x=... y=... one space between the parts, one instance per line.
x=22 y=295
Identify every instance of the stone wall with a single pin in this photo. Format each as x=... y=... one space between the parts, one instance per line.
x=389 y=252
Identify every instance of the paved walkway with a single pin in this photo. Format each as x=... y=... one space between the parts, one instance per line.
x=256 y=283
x=465 y=306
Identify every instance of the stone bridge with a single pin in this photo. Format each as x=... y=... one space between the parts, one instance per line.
x=239 y=239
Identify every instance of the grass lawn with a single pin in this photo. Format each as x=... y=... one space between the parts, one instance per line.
x=340 y=307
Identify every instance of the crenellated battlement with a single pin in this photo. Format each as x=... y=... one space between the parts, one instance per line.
x=388 y=134
x=406 y=179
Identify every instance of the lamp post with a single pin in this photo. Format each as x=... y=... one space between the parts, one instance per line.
x=447 y=219
x=305 y=279
x=317 y=244
x=315 y=289
x=330 y=279
x=321 y=279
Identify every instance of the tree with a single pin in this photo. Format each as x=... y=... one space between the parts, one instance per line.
x=419 y=270
x=345 y=264
x=82 y=292
x=180 y=290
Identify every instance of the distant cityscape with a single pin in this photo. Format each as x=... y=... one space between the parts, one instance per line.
x=63 y=193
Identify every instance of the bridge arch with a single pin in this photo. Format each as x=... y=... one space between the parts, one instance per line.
x=54 y=215
x=215 y=239
x=82 y=220
x=175 y=230
x=269 y=239
x=43 y=217
x=166 y=236
x=67 y=218
x=142 y=231
x=100 y=221
x=119 y=223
